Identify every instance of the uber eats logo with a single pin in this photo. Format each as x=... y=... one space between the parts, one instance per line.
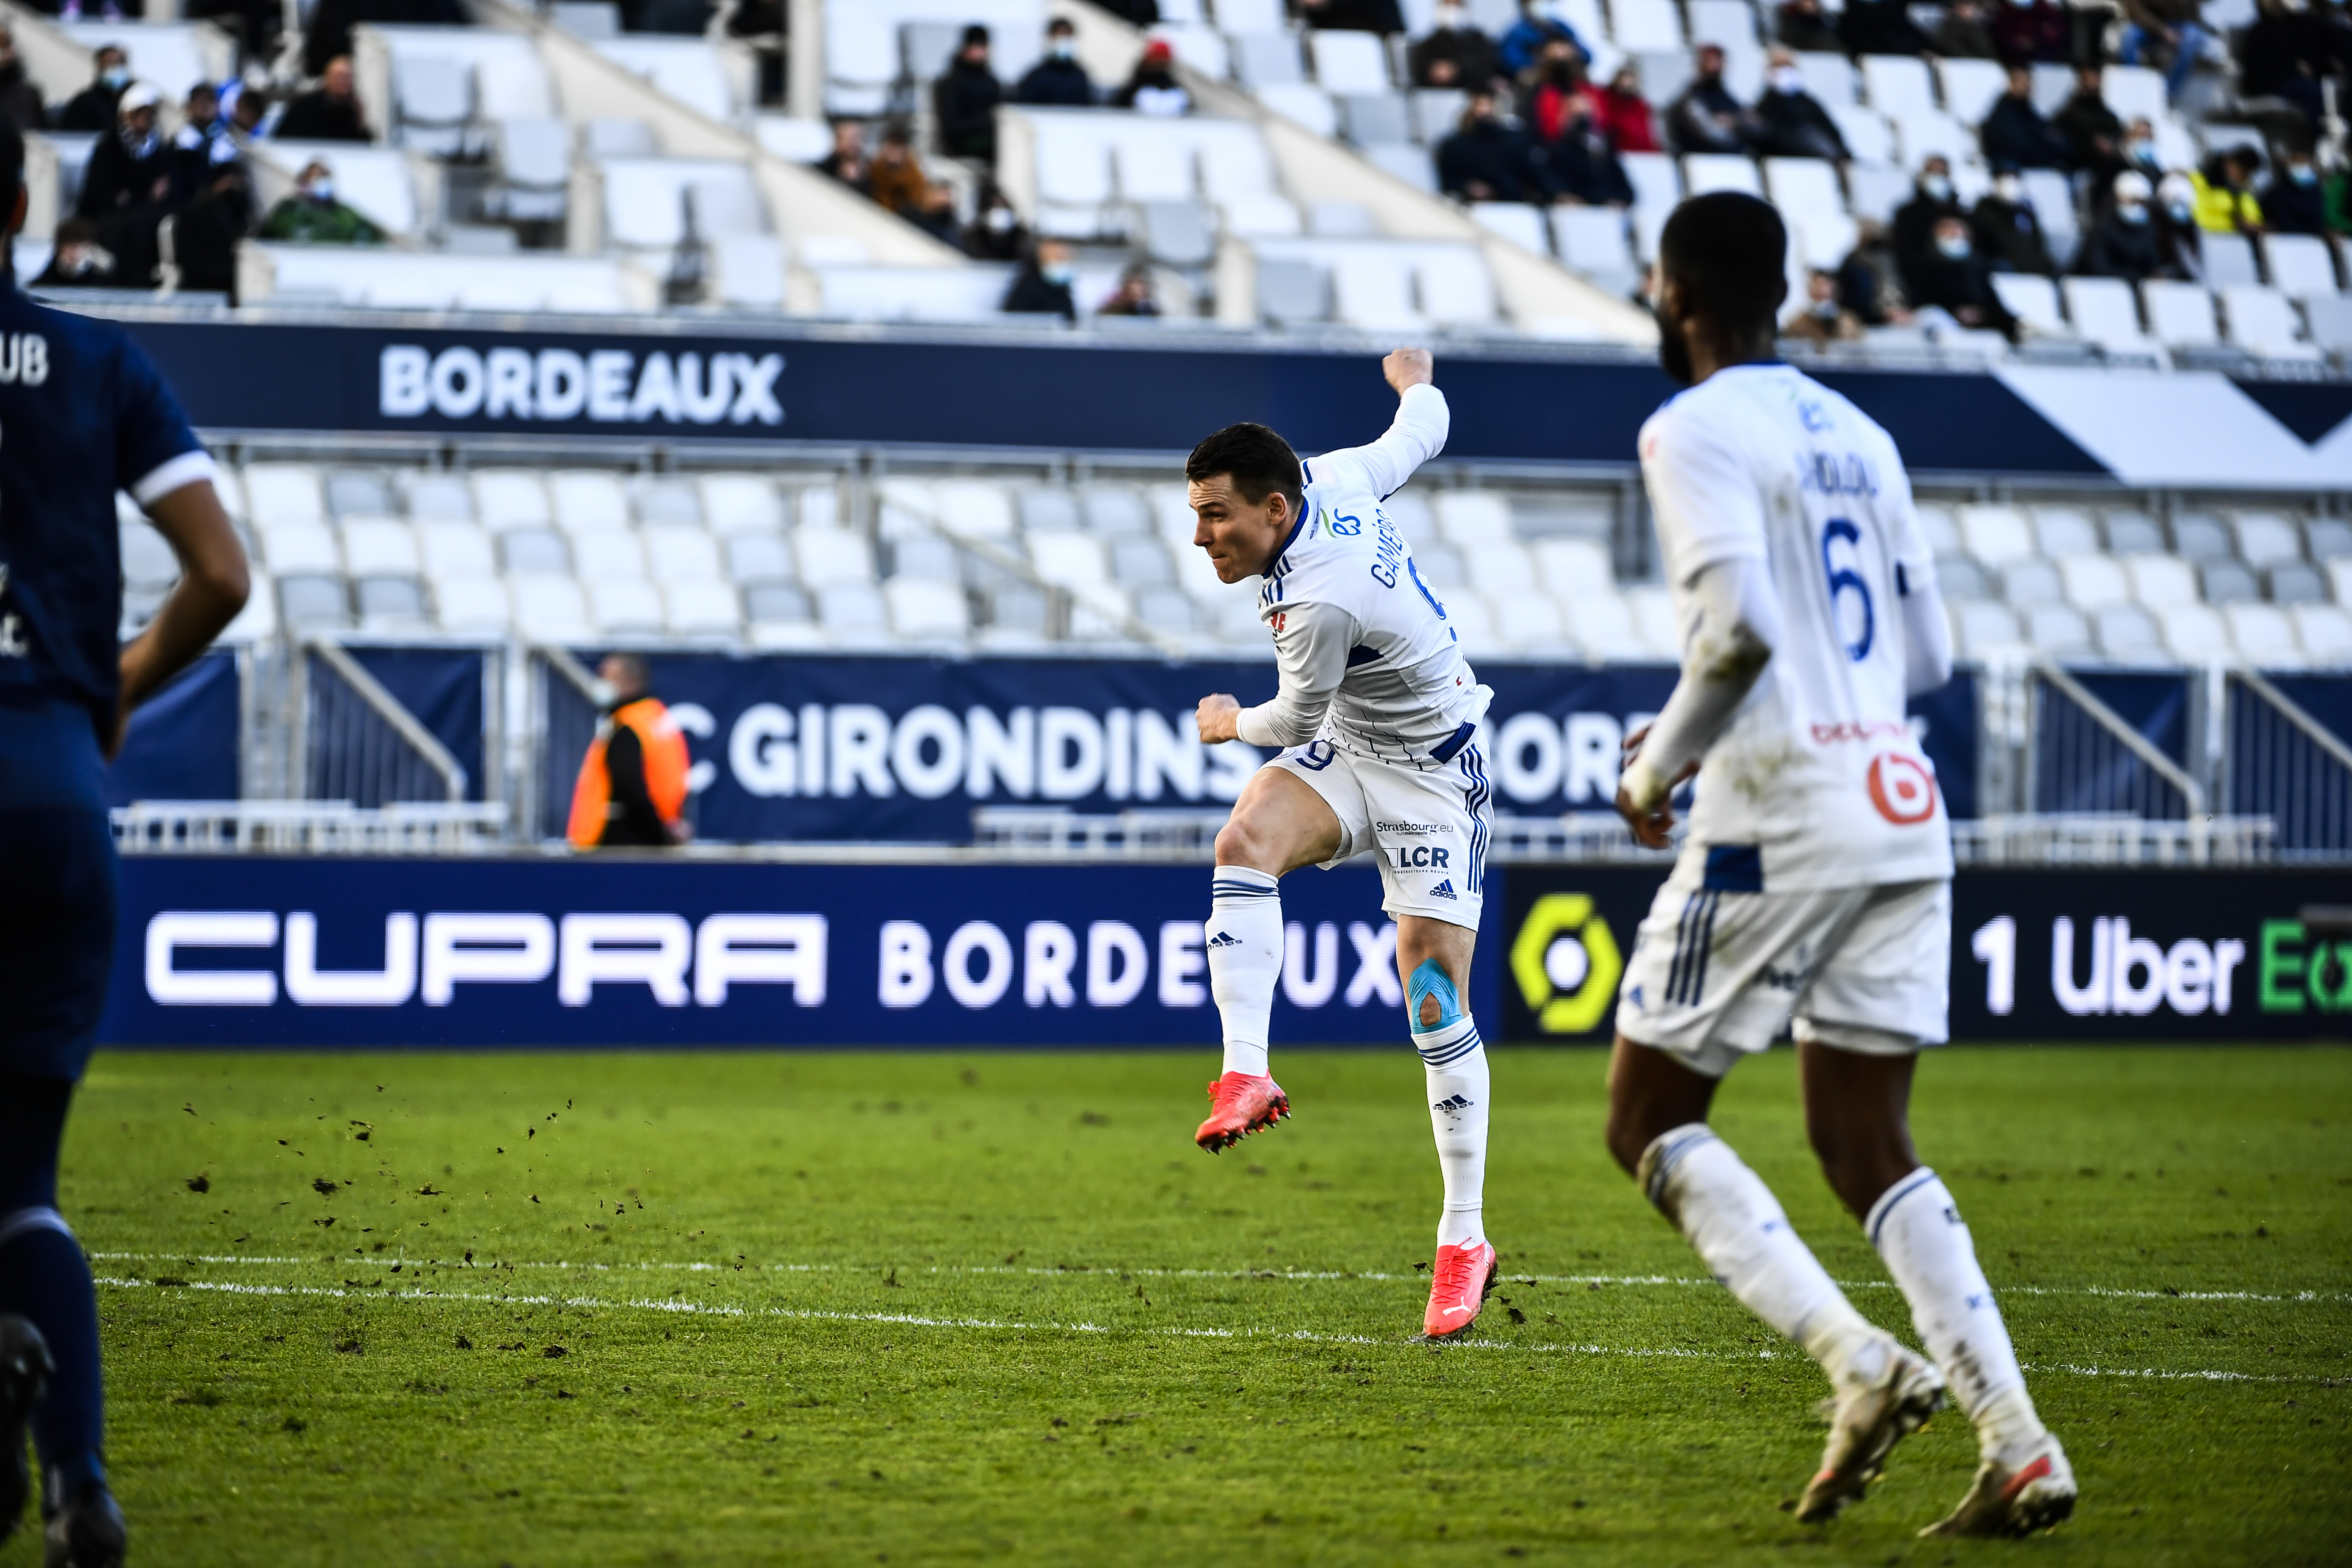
x=2299 y=969
x=1567 y=964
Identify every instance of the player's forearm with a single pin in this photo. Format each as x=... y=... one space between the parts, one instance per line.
x=1926 y=642
x=1738 y=628
x=215 y=583
x=1282 y=724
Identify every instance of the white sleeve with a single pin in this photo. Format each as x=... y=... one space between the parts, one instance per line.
x=1927 y=635
x=1417 y=435
x=1311 y=642
x=1738 y=628
x=1709 y=506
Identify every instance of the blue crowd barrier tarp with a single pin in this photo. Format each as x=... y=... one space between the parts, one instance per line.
x=183 y=742
x=442 y=687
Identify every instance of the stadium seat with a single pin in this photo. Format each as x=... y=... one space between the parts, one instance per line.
x=625 y=605
x=1653 y=620
x=2265 y=538
x=148 y=561
x=774 y=602
x=2128 y=634
x=2135 y=92
x=2200 y=536
x=2133 y=533
x=1047 y=508
x=1961 y=578
x=700 y=609
x=1870 y=137
x=2030 y=579
x=2053 y=199
x=588 y=501
x=1516 y=222
x=734 y=503
x=926 y=557
x=608 y=553
x=1473 y=517
x=825 y=557
x=2034 y=300
x=926 y=609
x=657 y=498
x=2327 y=538
x=974 y=509
x=2061 y=531
x=2228 y=260
x=454 y=549
x=2059 y=631
x=1069 y=559
x=680 y=554
x=1139 y=561
x=794 y=141
x=1940 y=528
x=2194 y=633
x=1876 y=193
x=2180 y=315
x=471 y=605
x=689 y=70
x=300 y=547
x=1373 y=288
x=2294 y=582
x=283 y=492
x=1499 y=566
x=958 y=294
x=1114 y=510
x=1456 y=288
x=1265 y=217
x=2263 y=633
x=1593 y=241
x=1995 y=535
x=1602 y=624
x=378 y=547
x=1984 y=629
x=2103 y=311
x=2325 y=634
x=1705 y=172
x=510 y=497
x=1640 y=27
x=1527 y=619
x=2262 y=321
x=1970 y=87
x=1830 y=78
x=1928 y=133
x=758 y=557
x=1350 y=62
x=2227 y=582
x=1309 y=106
x=2094 y=581
x=1570 y=567
x=550 y=609
x=536 y=550
x=852 y=612
x=2301 y=265
x=1407 y=163
x=2329 y=317
x=1153 y=170
x=2161 y=582
x=1437 y=112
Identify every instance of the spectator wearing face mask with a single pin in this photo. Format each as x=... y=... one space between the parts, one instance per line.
x=330 y=111
x=20 y=101
x=1706 y=117
x=92 y=108
x=2094 y=137
x=964 y=101
x=2026 y=31
x=201 y=146
x=1524 y=43
x=1058 y=78
x=1795 y=125
x=1455 y=53
x=204 y=232
x=2015 y=133
x=1881 y=27
x=2174 y=26
x=1622 y=114
x=1824 y=320
x=1964 y=33
x=312 y=215
x=2226 y=202
x=2178 y=241
x=2292 y=199
x=1488 y=159
x=1803 y=26
x=1915 y=220
x=1152 y=86
x=1041 y=286
x=1133 y=296
x=847 y=162
x=129 y=170
x=2007 y=231
x=1957 y=282
x=2124 y=242
x=1583 y=168
x=1867 y=282
x=996 y=232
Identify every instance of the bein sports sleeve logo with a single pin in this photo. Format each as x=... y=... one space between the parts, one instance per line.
x=555 y=385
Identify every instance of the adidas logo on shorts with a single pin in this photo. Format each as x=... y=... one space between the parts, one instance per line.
x=1442 y=891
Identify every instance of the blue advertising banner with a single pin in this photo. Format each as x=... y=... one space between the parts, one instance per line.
x=183 y=742
x=651 y=951
x=442 y=687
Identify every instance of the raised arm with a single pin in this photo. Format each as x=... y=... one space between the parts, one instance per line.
x=1417 y=434
x=1310 y=648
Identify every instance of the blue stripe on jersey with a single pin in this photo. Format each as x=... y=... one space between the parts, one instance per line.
x=1477 y=796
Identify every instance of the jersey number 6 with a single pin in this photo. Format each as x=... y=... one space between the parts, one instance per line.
x=1846 y=580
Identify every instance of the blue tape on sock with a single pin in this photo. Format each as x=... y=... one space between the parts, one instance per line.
x=1431 y=980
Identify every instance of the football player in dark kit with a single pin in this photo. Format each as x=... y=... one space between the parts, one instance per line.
x=83 y=413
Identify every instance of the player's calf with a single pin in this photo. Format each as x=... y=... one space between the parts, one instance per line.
x=25 y=1369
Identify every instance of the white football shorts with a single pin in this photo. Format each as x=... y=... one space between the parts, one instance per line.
x=1428 y=825
x=1719 y=965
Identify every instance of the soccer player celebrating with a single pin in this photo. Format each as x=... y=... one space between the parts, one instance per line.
x=1815 y=882
x=1377 y=715
x=82 y=413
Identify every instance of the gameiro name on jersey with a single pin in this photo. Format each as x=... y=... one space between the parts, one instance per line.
x=83 y=413
x=1819 y=768
x=1368 y=658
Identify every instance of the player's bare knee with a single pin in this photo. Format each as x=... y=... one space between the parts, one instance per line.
x=1238 y=845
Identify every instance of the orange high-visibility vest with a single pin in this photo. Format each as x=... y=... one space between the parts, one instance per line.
x=663 y=749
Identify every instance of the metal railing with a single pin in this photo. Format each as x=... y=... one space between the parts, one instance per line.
x=2082 y=756
x=307 y=827
x=563 y=713
x=2278 y=759
x=357 y=743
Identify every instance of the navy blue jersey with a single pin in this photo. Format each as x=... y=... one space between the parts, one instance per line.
x=83 y=413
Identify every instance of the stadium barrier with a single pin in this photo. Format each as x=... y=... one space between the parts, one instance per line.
x=900 y=949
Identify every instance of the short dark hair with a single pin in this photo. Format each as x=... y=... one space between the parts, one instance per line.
x=1259 y=461
x=1730 y=252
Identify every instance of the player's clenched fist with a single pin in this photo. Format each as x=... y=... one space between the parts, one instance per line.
x=1215 y=717
x=1409 y=367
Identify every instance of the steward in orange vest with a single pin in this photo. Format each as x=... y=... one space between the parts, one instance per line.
x=631 y=787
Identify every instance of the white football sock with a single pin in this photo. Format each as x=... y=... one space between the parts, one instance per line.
x=1245 y=948
x=1731 y=1216
x=1917 y=1229
x=1455 y=1060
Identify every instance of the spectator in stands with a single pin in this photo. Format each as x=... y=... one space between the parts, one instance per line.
x=1058 y=78
x=1706 y=117
x=1963 y=34
x=1803 y=26
x=245 y=105
x=254 y=24
x=1133 y=296
x=1624 y=114
x=1455 y=54
x=996 y=232
x=204 y=232
x=1795 y=124
x=92 y=108
x=1489 y=158
x=2292 y=199
x=1915 y=220
x=1524 y=42
x=79 y=261
x=1825 y=319
x=2226 y=202
x=964 y=101
x=328 y=112
x=1152 y=86
x=201 y=145
x=311 y=214
x=1583 y=167
x=898 y=182
x=20 y=101
x=2178 y=238
x=2014 y=132
x=2174 y=26
x=1881 y=27
x=2095 y=136
x=2024 y=31
x=2286 y=55
x=129 y=170
x=847 y=162
x=1957 y=282
x=2123 y=243
x=1354 y=16
x=329 y=34
x=1867 y=279
x=1556 y=92
x=1041 y=286
x=2007 y=231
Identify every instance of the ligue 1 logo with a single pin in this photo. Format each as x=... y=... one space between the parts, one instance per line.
x=1902 y=789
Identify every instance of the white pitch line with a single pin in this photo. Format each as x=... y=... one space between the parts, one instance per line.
x=1294 y=1336
x=2112 y=1292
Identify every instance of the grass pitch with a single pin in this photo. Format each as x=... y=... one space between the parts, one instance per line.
x=716 y=1309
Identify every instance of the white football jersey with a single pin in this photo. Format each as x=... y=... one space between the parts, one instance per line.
x=1368 y=659
x=1819 y=769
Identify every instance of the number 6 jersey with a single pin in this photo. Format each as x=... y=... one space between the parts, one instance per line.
x=1819 y=769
